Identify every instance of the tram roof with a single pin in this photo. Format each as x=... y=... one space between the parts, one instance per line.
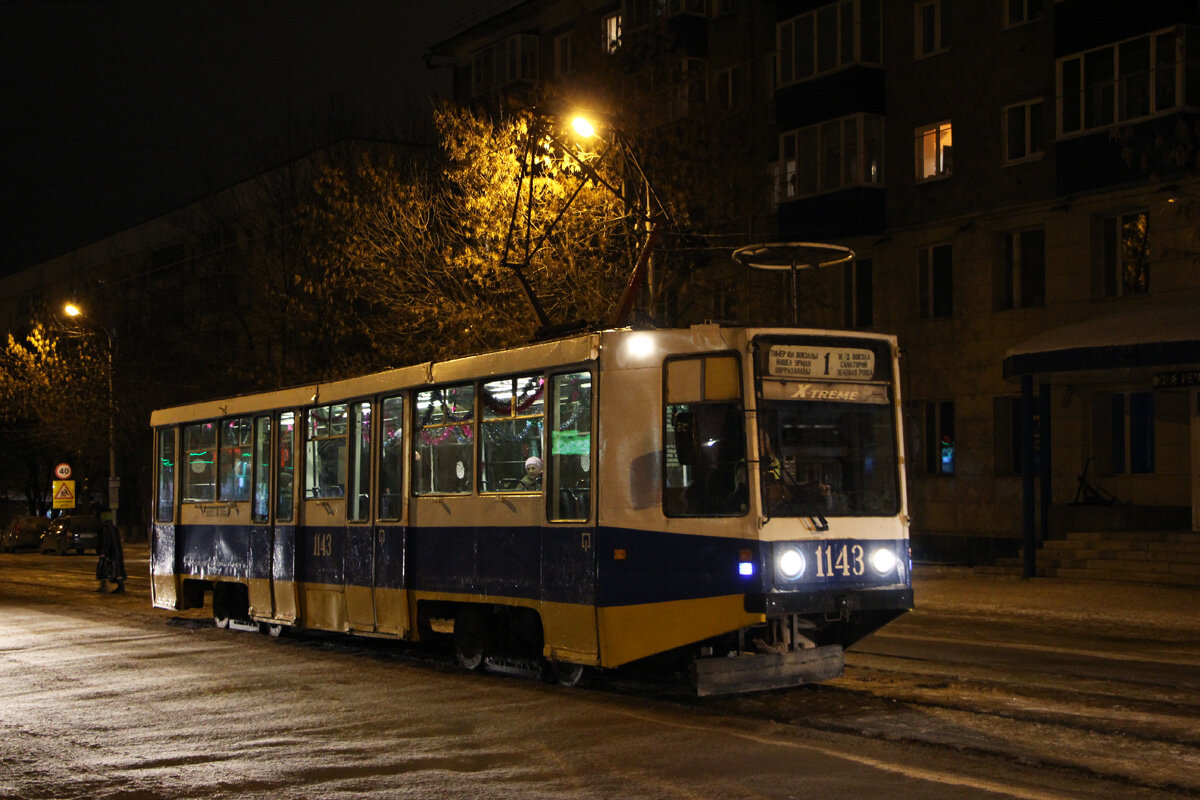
x=483 y=365
x=570 y=350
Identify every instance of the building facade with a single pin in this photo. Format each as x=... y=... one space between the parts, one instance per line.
x=1018 y=181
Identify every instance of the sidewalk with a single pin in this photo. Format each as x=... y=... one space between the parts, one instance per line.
x=1171 y=612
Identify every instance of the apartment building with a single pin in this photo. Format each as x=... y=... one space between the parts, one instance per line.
x=1018 y=181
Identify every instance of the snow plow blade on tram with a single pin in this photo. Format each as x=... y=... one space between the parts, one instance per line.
x=756 y=672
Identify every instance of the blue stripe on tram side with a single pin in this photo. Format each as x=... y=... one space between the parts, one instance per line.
x=534 y=563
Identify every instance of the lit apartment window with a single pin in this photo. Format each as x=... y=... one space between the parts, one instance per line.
x=1120 y=82
x=935 y=149
x=563 y=55
x=829 y=156
x=928 y=35
x=829 y=38
x=935 y=281
x=1019 y=11
x=610 y=26
x=1124 y=254
x=858 y=293
x=1021 y=273
x=1022 y=130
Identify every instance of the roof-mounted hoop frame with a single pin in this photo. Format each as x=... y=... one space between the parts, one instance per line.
x=793 y=257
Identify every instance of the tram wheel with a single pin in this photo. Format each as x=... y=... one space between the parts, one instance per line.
x=220 y=622
x=565 y=673
x=469 y=639
x=272 y=629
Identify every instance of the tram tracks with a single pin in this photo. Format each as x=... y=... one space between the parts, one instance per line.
x=1127 y=730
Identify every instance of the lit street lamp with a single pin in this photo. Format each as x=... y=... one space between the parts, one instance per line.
x=114 y=482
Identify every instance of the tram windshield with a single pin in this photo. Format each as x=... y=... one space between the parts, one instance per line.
x=827 y=430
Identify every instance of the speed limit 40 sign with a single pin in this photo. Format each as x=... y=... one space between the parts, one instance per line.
x=62 y=471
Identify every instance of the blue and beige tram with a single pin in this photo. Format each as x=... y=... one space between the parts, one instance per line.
x=733 y=494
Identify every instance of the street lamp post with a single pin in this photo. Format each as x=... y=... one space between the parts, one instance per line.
x=114 y=482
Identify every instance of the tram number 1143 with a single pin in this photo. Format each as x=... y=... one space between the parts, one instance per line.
x=840 y=560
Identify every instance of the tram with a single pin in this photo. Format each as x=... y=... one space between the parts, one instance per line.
x=730 y=495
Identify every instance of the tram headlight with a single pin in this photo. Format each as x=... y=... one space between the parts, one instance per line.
x=791 y=563
x=883 y=560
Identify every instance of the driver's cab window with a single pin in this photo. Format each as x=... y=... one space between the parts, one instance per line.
x=704 y=427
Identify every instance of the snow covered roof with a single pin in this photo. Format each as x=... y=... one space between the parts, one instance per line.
x=1158 y=335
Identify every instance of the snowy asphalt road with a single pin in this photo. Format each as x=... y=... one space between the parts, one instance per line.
x=1013 y=690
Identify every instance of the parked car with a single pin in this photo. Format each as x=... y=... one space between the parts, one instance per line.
x=23 y=532
x=74 y=532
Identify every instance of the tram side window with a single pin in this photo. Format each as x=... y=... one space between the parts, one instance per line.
x=286 y=469
x=164 y=508
x=260 y=507
x=444 y=430
x=569 y=469
x=705 y=430
x=234 y=462
x=510 y=434
x=200 y=449
x=360 y=463
x=391 y=458
x=325 y=452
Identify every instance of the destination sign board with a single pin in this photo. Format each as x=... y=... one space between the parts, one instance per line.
x=823 y=363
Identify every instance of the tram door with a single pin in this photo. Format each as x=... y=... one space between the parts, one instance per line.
x=359 y=553
x=390 y=540
x=375 y=534
x=284 y=585
x=262 y=536
x=569 y=542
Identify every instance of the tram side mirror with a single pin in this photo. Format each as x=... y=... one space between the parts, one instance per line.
x=685 y=438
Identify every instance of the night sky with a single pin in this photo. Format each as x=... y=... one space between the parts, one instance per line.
x=115 y=112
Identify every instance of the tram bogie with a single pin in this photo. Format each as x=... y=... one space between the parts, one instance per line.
x=732 y=494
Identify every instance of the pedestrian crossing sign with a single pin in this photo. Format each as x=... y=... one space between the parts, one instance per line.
x=64 y=494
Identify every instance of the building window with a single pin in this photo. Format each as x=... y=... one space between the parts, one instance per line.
x=1007 y=427
x=858 y=293
x=676 y=8
x=502 y=63
x=829 y=38
x=1021 y=275
x=563 y=55
x=935 y=151
x=610 y=26
x=1019 y=11
x=721 y=8
x=686 y=83
x=1124 y=81
x=728 y=88
x=935 y=281
x=1022 y=131
x=1125 y=254
x=1123 y=432
x=829 y=156
x=928 y=32
x=938 y=440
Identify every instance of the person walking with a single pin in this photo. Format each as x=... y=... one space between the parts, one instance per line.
x=110 y=567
